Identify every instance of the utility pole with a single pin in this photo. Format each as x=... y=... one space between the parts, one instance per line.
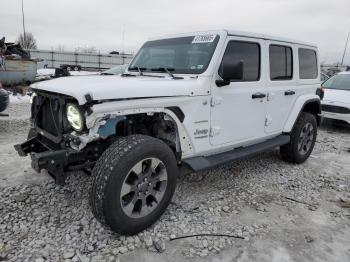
x=346 y=44
x=24 y=29
x=123 y=34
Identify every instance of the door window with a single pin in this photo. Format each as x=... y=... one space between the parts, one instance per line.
x=307 y=63
x=281 y=62
x=248 y=54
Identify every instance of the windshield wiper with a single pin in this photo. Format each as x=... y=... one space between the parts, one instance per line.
x=126 y=74
x=140 y=69
x=167 y=70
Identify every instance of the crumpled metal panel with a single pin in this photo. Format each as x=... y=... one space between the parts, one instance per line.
x=14 y=72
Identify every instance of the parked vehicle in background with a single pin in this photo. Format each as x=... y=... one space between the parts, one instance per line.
x=336 y=100
x=190 y=101
x=324 y=77
x=70 y=67
x=4 y=99
x=333 y=71
x=117 y=70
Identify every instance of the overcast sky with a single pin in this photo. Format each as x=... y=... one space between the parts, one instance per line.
x=100 y=23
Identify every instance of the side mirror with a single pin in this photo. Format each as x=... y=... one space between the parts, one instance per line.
x=230 y=72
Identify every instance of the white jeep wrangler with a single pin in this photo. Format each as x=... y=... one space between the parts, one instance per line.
x=189 y=101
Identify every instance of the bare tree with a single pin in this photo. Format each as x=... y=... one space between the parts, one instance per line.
x=28 y=41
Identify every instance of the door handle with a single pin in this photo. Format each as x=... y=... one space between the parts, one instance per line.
x=258 y=95
x=289 y=93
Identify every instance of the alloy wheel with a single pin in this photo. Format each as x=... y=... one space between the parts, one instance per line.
x=143 y=187
x=306 y=138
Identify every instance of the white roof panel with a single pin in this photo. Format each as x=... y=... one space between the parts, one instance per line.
x=237 y=33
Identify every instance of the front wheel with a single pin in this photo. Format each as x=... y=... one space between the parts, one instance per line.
x=302 y=139
x=133 y=183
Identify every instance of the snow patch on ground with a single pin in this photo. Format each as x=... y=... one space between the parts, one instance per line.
x=17 y=99
x=45 y=72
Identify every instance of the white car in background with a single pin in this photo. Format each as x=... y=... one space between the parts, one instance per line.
x=323 y=77
x=336 y=100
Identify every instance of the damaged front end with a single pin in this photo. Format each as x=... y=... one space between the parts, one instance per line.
x=66 y=136
x=51 y=141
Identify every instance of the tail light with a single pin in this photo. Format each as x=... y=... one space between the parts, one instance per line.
x=320 y=92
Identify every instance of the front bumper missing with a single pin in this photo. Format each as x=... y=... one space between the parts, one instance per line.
x=59 y=162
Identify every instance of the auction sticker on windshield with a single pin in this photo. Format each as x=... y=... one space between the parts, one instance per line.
x=203 y=39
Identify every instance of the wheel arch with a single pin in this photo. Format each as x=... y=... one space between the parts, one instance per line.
x=310 y=104
x=174 y=114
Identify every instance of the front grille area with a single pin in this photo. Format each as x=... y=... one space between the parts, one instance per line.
x=48 y=114
x=335 y=109
x=48 y=117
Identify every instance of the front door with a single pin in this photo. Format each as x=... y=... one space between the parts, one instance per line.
x=238 y=109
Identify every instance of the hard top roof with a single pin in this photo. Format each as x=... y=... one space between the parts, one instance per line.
x=238 y=33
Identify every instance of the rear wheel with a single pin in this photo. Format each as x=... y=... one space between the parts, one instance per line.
x=302 y=139
x=133 y=183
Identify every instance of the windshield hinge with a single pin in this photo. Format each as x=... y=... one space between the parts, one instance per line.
x=214 y=131
x=268 y=120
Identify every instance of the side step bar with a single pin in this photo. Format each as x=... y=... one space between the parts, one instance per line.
x=205 y=162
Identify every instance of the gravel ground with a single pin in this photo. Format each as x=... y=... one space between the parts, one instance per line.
x=269 y=210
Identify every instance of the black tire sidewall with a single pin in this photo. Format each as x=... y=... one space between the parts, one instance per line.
x=302 y=121
x=114 y=215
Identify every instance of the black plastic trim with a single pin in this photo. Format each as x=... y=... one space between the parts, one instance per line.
x=205 y=162
x=178 y=112
x=319 y=118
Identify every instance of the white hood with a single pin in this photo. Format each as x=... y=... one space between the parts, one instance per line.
x=337 y=95
x=117 y=87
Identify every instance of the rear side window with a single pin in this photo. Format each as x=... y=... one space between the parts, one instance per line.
x=281 y=62
x=307 y=64
x=247 y=53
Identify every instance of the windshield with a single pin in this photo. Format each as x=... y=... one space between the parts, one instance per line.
x=341 y=81
x=183 y=55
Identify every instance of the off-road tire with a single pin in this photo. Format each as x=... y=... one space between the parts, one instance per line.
x=108 y=176
x=290 y=152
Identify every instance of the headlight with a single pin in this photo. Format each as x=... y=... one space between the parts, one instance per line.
x=74 y=117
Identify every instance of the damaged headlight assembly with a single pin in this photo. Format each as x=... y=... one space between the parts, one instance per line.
x=75 y=117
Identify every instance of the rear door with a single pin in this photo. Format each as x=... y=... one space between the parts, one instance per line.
x=238 y=109
x=281 y=84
